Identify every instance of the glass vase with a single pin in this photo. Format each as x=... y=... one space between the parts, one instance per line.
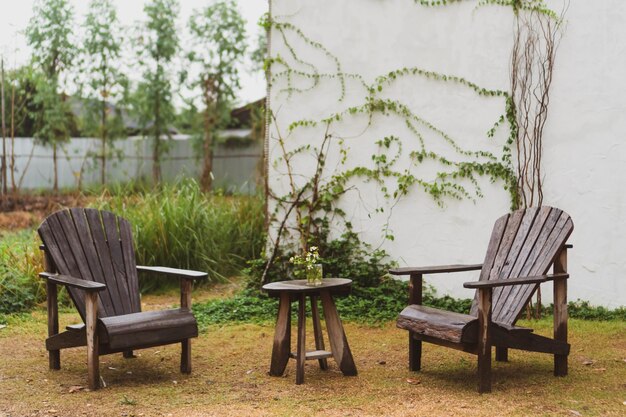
x=314 y=275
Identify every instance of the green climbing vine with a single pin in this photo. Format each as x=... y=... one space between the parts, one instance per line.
x=311 y=205
x=517 y=5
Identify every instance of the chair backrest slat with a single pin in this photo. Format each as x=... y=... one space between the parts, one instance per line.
x=494 y=245
x=87 y=244
x=57 y=246
x=504 y=248
x=540 y=265
x=523 y=243
x=94 y=221
x=541 y=229
x=128 y=251
x=92 y=258
x=109 y=221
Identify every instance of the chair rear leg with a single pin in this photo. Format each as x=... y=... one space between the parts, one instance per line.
x=415 y=353
x=560 y=312
x=185 y=356
x=560 y=365
x=128 y=354
x=54 y=359
x=502 y=354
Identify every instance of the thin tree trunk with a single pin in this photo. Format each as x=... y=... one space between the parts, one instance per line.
x=538 y=306
x=13 y=186
x=207 y=147
x=206 y=181
x=103 y=130
x=55 y=186
x=4 y=131
x=25 y=170
x=156 y=160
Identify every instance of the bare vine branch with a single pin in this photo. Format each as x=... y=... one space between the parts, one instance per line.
x=536 y=40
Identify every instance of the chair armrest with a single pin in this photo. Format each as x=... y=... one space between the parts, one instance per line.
x=89 y=286
x=515 y=281
x=435 y=269
x=173 y=272
x=557 y=277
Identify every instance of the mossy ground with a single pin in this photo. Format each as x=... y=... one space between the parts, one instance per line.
x=230 y=365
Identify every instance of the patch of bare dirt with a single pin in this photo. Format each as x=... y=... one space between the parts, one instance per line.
x=17 y=220
x=25 y=211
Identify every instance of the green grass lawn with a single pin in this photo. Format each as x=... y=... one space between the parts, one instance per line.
x=230 y=364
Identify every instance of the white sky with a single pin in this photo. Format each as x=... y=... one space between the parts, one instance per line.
x=15 y=14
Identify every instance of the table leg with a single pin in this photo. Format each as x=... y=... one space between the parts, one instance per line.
x=337 y=336
x=301 y=353
x=282 y=337
x=317 y=330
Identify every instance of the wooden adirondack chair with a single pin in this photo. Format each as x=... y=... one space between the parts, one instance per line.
x=91 y=253
x=523 y=246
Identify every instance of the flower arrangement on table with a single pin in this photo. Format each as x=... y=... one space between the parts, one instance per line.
x=308 y=265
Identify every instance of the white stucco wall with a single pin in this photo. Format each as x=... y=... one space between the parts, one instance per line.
x=584 y=140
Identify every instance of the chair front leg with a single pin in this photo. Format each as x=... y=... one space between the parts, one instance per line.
x=54 y=356
x=185 y=346
x=484 y=340
x=415 y=346
x=560 y=312
x=93 y=363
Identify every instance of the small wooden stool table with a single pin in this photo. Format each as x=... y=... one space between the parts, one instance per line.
x=288 y=291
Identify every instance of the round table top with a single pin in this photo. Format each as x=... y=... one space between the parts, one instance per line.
x=300 y=285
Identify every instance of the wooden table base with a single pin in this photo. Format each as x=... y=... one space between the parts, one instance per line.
x=281 y=351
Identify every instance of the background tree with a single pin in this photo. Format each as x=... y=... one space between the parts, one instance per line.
x=22 y=113
x=259 y=54
x=158 y=46
x=48 y=34
x=104 y=85
x=258 y=58
x=218 y=42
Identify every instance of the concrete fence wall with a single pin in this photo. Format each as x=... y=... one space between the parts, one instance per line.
x=235 y=169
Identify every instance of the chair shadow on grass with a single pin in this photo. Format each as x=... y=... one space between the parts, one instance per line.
x=149 y=367
x=461 y=374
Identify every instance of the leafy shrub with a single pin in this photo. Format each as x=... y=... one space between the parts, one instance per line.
x=583 y=310
x=346 y=256
x=249 y=306
x=20 y=260
x=371 y=305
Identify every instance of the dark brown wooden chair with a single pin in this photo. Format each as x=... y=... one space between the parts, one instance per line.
x=523 y=246
x=91 y=253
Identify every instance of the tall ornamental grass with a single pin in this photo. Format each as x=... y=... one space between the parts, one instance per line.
x=176 y=226
x=20 y=261
x=181 y=227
